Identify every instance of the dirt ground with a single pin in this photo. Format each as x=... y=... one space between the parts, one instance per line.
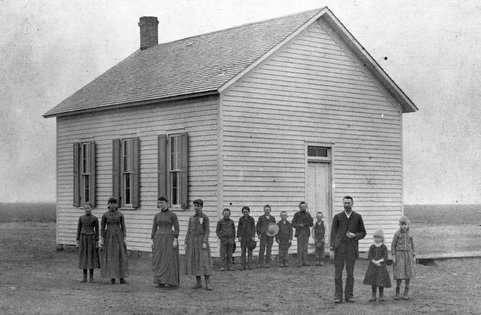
x=35 y=279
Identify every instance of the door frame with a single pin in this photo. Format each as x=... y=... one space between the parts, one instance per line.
x=330 y=162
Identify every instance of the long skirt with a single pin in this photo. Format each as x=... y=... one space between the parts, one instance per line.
x=114 y=256
x=165 y=260
x=198 y=261
x=404 y=266
x=88 y=254
x=377 y=276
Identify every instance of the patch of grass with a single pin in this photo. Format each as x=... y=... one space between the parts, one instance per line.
x=444 y=214
x=27 y=212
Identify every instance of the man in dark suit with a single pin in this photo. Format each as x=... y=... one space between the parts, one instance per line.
x=347 y=229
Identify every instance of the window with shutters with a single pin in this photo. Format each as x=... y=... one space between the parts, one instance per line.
x=126 y=172
x=84 y=173
x=85 y=169
x=173 y=169
x=127 y=159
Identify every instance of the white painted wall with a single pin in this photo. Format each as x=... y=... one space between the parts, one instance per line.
x=312 y=91
x=198 y=118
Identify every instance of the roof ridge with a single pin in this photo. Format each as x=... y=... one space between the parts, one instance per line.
x=244 y=25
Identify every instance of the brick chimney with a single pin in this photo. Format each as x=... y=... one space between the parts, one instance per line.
x=148 y=32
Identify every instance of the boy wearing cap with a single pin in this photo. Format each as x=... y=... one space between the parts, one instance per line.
x=246 y=233
x=198 y=260
x=284 y=239
x=226 y=233
x=266 y=241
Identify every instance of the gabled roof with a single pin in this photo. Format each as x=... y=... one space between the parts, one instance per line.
x=203 y=65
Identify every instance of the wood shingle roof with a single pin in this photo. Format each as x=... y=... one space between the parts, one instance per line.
x=204 y=65
x=188 y=66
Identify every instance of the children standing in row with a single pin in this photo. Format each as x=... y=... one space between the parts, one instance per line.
x=246 y=233
x=302 y=222
x=88 y=243
x=284 y=239
x=377 y=275
x=319 y=233
x=226 y=233
x=266 y=241
x=402 y=249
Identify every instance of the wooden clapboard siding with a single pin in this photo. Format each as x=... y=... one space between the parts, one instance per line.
x=313 y=90
x=197 y=117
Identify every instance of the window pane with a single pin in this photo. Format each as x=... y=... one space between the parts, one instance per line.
x=85 y=158
x=86 y=184
x=173 y=153
x=174 y=187
x=126 y=159
x=317 y=151
x=178 y=153
x=127 y=188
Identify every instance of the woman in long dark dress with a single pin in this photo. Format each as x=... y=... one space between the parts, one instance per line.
x=88 y=242
x=198 y=260
x=165 y=251
x=114 y=254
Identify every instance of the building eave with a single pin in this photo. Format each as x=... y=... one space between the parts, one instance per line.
x=133 y=104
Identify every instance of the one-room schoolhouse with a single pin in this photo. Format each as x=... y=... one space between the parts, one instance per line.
x=274 y=112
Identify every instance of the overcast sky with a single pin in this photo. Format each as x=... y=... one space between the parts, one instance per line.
x=50 y=49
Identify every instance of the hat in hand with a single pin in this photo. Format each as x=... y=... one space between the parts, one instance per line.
x=252 y=244
x=272 y=229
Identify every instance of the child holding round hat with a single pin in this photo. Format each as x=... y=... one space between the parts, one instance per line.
x=266 y=240
x=284 y=239
x=402 y=250
x=198 y=260
x=377 y=275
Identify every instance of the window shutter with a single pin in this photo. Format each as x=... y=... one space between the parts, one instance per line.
x=116 y=169
x=184 y=184
x=92 y=174
x=76 y=174
x=162 y=166
x=135 y=173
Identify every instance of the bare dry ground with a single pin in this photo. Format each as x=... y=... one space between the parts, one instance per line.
x=37 y=280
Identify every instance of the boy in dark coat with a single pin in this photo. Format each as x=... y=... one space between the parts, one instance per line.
x=265 y=240
x=226 y=233
x=284 y=239
x=302 y=222
x=246 y=233
x=319 y=232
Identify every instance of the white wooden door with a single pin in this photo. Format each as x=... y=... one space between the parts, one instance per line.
x=318 y=190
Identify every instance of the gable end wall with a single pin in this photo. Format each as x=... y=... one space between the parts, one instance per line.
x=312 y=90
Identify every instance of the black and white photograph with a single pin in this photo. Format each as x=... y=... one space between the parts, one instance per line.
x=240 y=157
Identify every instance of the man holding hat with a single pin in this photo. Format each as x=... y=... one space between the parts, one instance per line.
x=198 y=260
x=266 y=240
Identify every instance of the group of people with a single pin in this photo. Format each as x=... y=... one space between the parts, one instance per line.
x=165 y=245
x=267 y=230
x=346 y=231
x=113 y=258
